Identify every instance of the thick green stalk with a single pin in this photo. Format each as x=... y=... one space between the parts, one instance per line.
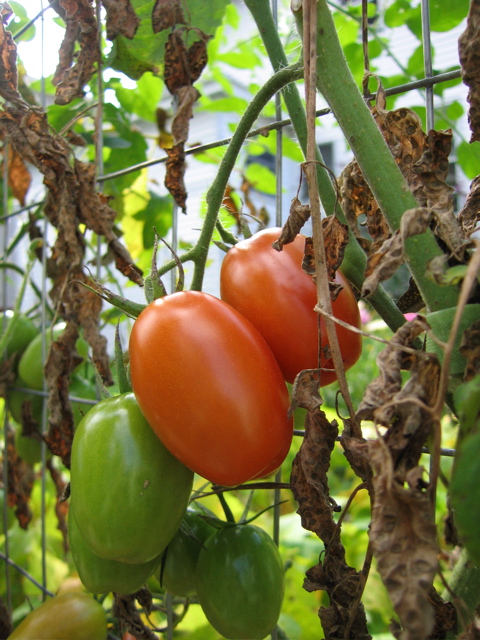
x=385 y=179
x=353 y=265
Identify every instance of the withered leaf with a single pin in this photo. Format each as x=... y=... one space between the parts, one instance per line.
x=197 y=56
x=187 y=96
x=125 y=610
x=19 y=178
x=390 y=361
x=310 y=489
x=166 y=14
x=404 y=541
x=174 y=177
x=357 y=199
x=70 y=79
x=383 y=264
x=8 y=67
x=469 y=55
x=305 y=391
x=469 y=216
x=335 y=237
x=470 y=350
x=6 y=12
x=121 y=19
x=297 y=217
x=20 y=478
x=177 y=72
x=61 y=505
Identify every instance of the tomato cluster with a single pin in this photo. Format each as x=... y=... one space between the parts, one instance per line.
x=209 y=397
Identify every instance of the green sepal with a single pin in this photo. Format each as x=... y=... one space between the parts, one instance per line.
x=129 y=308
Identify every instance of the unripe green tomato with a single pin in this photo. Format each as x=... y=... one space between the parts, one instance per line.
x=129 y=493
x=73 y=616
x=240 y=582
x=24 y=332
x=102 y=576
x=177 y=568
x=30 y=367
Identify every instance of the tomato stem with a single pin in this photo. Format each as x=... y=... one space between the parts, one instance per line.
x=226 y=508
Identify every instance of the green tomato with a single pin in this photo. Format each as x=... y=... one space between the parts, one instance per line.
x=129 y=494
x=177 y=568
x=240 y=582
x=30 y=367
x=102 y=576
x=24 y=332
x=73 y=615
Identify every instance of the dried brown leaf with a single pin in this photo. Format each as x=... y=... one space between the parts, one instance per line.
x=61 y=505
x=121 y=19
x=71 y=78
x=6 y=12
x=310 y=489
x=469 y=216
x=470 y=350
x=390 y=361
x=383 y=264
x=174 y=177
x=197 y=56
x=469 y=55
x=8 y=67
x=20 y=478
x=187 y=96
x=297 y=217
x=357 y=199
x=125 y=610
x=177 y=71
x=166 y=14
x=404 y=541
x=19 y=178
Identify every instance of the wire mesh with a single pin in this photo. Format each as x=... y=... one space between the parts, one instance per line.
x=278 y=125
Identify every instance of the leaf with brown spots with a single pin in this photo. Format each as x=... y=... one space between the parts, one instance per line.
x=166 y=14
x=383 y=264
x=469 y=55
x=121 y=19
x=177 y=72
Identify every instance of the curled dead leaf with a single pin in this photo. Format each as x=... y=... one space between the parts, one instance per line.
x=404 y=541
x=469 y=56
x=166 y=14
x=121 y=19
x=297 y=217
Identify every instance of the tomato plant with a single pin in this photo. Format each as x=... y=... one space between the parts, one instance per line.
x=271 y=289
x=128 y=493
x=99 y=575
x=70 y=616
x=240 y=581
x=177 y=568
x=210 y=387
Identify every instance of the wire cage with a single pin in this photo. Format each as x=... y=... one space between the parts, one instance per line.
x=15 y=217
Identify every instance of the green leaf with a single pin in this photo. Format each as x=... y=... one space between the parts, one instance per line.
x=347 y=28
x=415 y=64
x=455 y=110
x=143 y=100
x=230 y=105
x=157 y=214
x=19 y=21
x=465 y=494
x=146 y=51
x=468 y=156
x=244 y=57
x=262 y=179
x=447 y=14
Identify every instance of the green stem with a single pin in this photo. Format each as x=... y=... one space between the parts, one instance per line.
x=385 y=179
x=354 y=262
x=216 y=192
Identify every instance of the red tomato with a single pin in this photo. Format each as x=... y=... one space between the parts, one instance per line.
x=271 y=289
x=210 y=387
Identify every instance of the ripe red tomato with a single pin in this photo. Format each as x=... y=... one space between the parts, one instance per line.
x=271 y=289
x=209 y=387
